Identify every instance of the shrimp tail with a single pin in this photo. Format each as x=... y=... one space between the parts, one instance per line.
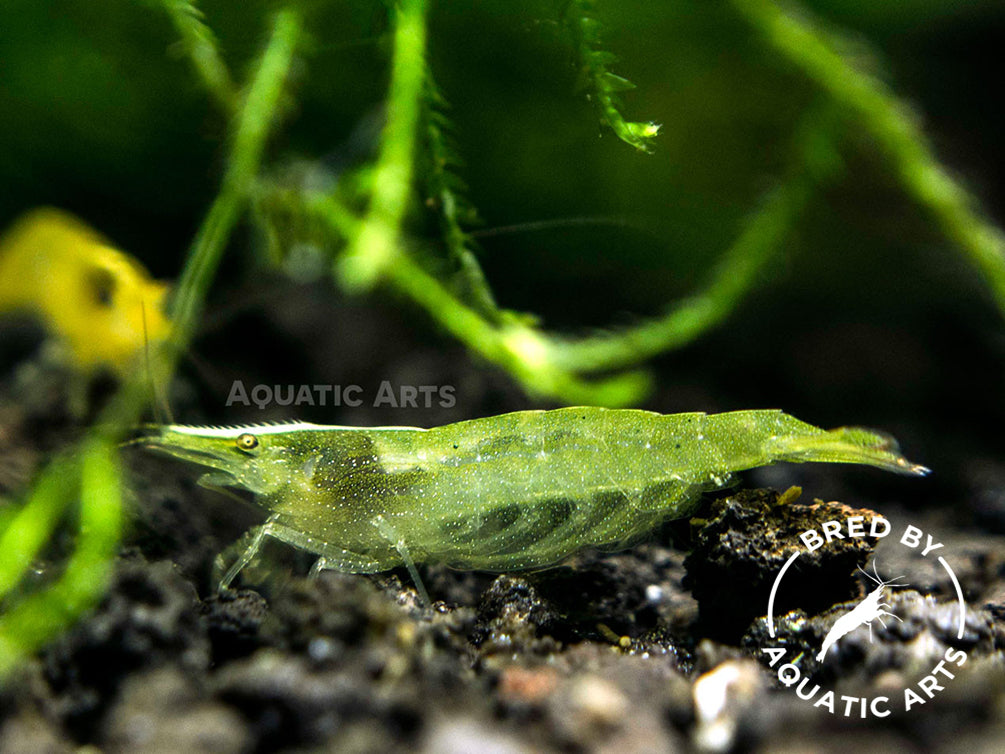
x=845 y=445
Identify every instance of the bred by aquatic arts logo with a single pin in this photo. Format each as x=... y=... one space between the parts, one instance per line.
x=874 y=607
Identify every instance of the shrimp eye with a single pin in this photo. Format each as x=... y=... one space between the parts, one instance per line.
x=101 y=284
x=247 y=441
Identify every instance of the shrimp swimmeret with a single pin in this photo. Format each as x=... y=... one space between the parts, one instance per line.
x=516 y=491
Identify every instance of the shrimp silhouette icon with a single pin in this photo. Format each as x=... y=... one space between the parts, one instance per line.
x=865 y=612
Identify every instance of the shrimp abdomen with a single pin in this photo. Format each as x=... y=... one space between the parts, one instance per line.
x=529 y=488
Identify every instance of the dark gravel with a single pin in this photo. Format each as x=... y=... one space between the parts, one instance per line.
x=655 y=649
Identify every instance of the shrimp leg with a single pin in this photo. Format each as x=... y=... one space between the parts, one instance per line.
x=256 y=535
x=331 y=557
x=388 y=532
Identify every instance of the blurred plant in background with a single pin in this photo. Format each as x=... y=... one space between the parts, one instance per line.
x=91 y=471
x=366 y=222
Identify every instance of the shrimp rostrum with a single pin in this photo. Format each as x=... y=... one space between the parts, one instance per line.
x=516 y=491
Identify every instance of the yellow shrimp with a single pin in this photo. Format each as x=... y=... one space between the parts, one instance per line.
x=99 y=303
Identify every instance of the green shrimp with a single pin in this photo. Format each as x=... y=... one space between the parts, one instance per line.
x=517 y=491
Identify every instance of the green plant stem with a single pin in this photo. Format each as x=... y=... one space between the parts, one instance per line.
x=201 y=48
x=253 y=122
x=546 y=365
x=543 y=364
x=520 y=349
x=895 y=132
x=552 y=366
x=813 y=163
x=446 y=188
x=375 y=249
x=37 y=619
x=255 y=119
x=41 y=616
x=736 y=275
x=603 y=84
x=30 y=528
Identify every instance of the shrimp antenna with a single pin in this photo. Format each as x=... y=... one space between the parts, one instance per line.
x=877 y=579
x=889 y=583
x=874 y=579
x=556 y=223
x=157 y=399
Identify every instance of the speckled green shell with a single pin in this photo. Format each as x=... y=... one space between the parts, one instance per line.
x=516 y=491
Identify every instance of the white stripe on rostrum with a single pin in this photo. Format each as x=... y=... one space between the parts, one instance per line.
x=272 y=429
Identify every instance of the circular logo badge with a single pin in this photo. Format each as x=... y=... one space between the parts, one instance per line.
x=874 y=607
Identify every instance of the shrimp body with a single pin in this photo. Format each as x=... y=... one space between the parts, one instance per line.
x=516 y=491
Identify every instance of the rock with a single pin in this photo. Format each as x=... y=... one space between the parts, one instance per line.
x=744 y=543
x=28 y=732
x=148 y=617
x=162 y=711
x=511 y=616
x=233 y=620
x=466 y=736
x=726 y=702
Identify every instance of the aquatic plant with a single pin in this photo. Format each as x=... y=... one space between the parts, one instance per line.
x=90 y=472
